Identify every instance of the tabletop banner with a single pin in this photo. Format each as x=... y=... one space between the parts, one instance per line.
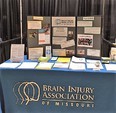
x=38 y=91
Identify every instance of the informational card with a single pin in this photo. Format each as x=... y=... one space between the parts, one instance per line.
x=92 y=30
x=77 y=66
x=67 y=44
x=28 y=65
x=63 y=21
x=85 y=40
x=58 y=40
x=62 y=59
x=37 y=18
x=59 y=52
x=93 y=52
x=88 y=18
x=17 y=52
x=43 y=38
x=60 y=31
x=35 y=53
x=34 y=24
x=84 y=23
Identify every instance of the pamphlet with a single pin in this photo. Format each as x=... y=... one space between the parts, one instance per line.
x=110 y=67
x=28 y=65
x=62 y=59
x=79 y=60
x=61 y=65
x=94 y=65
x=77 y=66
x=92 y=61
x=17 y=53
x=9 y=65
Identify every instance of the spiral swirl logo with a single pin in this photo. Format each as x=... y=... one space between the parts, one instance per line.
x=26 y=92
x=58 y=21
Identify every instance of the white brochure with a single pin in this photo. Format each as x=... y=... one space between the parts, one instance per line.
x=28 y=65
x=110 y=67
x=77 y=66
x=78 y=60
x=9 y=65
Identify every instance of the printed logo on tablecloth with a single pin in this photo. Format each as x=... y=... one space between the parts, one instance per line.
x=55 y=95
x=26 y=92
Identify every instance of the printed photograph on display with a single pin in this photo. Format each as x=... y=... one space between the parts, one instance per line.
x=70 y=35
x=80 y=51
x=84 y=40
x=33 y=35
x=70 y=52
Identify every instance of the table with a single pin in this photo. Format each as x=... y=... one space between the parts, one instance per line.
x=58 y=91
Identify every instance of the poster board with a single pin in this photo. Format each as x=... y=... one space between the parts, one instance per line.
x=89 y=36
x=38 y=35
x=63 y=36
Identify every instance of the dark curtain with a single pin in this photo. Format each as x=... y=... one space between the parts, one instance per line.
x=60 y=8
x=9 y=19
x=10 y=14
